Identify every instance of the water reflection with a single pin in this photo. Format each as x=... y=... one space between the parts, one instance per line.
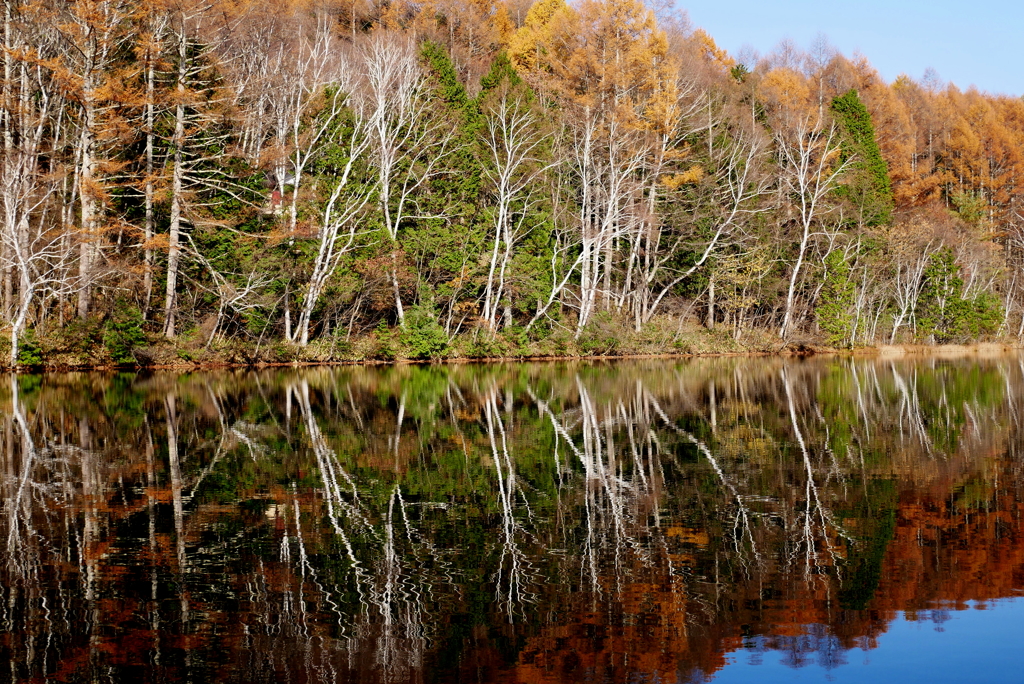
x=639 y=520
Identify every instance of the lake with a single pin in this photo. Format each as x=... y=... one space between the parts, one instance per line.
x=698 y=520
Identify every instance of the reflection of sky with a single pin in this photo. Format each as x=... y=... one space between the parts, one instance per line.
x=980 y=644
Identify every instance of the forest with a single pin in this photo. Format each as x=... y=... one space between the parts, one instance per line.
x=247 y=181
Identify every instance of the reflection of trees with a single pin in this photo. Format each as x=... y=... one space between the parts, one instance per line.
x=815 y=524
x=371 y=523
x=513 y=574
x=26 y=557
x=390 y=622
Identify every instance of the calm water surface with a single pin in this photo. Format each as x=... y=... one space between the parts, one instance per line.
x=728 y=520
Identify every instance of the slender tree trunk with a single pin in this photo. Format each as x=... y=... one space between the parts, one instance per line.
x=787 y=318
x=8 y=133
x=399 y=309
x=5 y=111
x=586 y=286
x=147 y=276
x=609 y=253
x=88 y=204
x=711 y=302
x=177 y=183
x=18 y=324
x=174 y=247
x=287 y=313
x=490 y=296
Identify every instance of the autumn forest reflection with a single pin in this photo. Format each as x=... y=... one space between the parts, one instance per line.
x=633 y=521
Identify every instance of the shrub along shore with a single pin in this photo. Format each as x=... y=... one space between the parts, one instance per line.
x=103 y=346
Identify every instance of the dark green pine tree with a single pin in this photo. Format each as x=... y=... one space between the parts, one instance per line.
x=868 y=185
x=463 y=182
x=835 y=309
x=440 y=242
x=501 y=71
x=943 y=315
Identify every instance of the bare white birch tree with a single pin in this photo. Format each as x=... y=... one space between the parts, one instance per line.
x=35 y=252
x=811 y=169
x=198 y=138
x=908 y=278
x=409 y=142
x=346 y=202
x=729 y=198
x=606 y=157
x=513 y=167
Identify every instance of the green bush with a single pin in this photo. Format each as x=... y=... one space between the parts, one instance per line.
x=484 y=345
x=385 y=347
x=944 y=315
x=29 y=352
x=518 y=338
x=256 y=322
x=836 y=303
x=341 y=347
x=940 y=289
x=600 y=336
x=973 y=319
x=80 y=336
x=123 y=332
x=423 y=337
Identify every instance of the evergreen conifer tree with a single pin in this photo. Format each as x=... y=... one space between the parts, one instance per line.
x=869 y=186
x=835 y=310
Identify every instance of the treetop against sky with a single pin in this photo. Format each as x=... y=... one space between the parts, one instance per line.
x=967 y=43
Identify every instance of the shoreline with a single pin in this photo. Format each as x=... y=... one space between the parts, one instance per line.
x=981 y=349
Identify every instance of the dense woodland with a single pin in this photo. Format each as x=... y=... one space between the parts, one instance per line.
x=246 y=180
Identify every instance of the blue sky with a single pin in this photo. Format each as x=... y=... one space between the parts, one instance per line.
x=980 y=42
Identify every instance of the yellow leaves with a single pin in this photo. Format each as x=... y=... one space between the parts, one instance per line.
x=485 y=7
x=160 y=243
x=503 y=24
x=606 y=57
x=470 y=28
x=530 y=45
x=692 y=175
x=619 y=49
x=786 y=89
x=678 y=153
x=542 y=11
x=390 y=18
x=903 y=83
x=710 y=51
x=460 y=280
x=662 y=110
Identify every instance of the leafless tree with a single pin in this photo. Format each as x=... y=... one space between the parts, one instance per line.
x=338 y=223
x=409 y=141
x=908 y=277
x=32 y=248
x=512 y=141
x=606 y=158
x=729 y=200
x=811 y=169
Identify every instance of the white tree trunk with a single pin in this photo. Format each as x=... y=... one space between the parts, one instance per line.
x=177 y=188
